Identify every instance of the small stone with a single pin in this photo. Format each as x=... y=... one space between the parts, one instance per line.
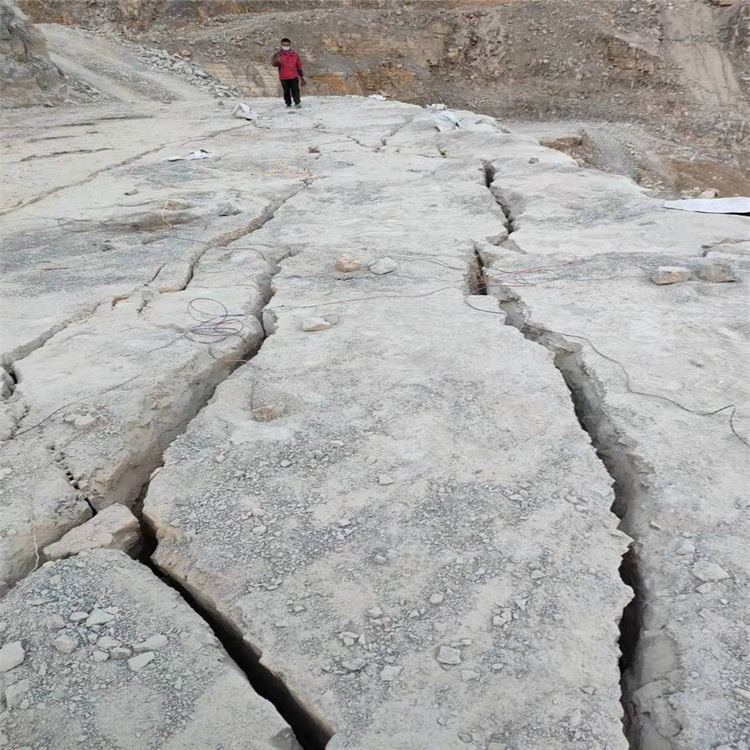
x=78 y=616
x=120 y=653
x=14 y=694
x=153 y=643
x=375 y=612
x=106 y=643
x=744 y=694
x=686 y=548
x=448 y=655
x=382 y=266
x=137 y=663
x=710 y=193
x=54 y=622
x=259 y=530
x=468 y=675
x=670 y=275
x=354 y=665
x=11 y=655
x=65 y=643
x=436 y=599
x=99 y=617
x=385 y=479
x=705 y=588
x=315 y=324
x=389 y=673
x=100 y=656
x=348 y=264
x=705 y=570
x=227 y=209
x=715 y=271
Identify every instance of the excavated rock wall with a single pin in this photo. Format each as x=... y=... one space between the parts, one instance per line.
x=26 y=74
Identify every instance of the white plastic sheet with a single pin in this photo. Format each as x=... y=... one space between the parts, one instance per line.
x=244 y=112
x=712 y=205
x=445 y=120
x=201 y=153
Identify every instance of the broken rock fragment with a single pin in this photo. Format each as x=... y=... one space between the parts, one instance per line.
x=448 y=655
x=715 y=271
x=114 y=528
x=705 y=570
x=315 y=324
x=11 y=655
x=670 y=275
x=348 y=264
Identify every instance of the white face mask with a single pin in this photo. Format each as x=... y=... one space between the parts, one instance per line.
x=285 y=48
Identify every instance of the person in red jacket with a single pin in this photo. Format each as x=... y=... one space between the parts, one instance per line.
x=290 y=72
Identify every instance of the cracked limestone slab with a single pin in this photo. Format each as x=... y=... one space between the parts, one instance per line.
x=107 y=395
x=416 y=537
x=409 y=497
x=115 y=658
x=685 y=474
x=37 y=506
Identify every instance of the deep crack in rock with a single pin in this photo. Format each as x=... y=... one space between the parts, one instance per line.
x=627 y=478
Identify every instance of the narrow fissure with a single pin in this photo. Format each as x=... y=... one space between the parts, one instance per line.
x=311 y=732
x=585 y=394
x=490 y=172
x=477 y=276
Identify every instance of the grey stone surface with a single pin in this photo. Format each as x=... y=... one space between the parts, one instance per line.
x=423 y=447
x=186 y=694
x=400 y=512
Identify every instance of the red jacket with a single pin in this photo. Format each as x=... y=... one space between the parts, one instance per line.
x=289 y=64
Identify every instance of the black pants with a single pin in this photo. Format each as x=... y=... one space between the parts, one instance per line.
x=291 y=91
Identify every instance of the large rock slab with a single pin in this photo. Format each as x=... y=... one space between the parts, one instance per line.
x=115 y=658
x=661 y=377
x=416 y=536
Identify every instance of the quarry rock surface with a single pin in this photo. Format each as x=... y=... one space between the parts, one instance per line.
x=74 y=688
x=482 y=485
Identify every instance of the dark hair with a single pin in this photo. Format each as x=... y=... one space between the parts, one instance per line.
x=286 y=40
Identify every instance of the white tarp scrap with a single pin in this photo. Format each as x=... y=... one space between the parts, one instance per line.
x=712 y=205
x=244 y=112
x=201 y=153
x=445 y=120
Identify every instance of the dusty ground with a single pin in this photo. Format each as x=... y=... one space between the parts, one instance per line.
x=399 y=490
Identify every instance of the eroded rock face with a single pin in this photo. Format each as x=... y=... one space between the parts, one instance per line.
x=26 y=74
x=113 y=655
